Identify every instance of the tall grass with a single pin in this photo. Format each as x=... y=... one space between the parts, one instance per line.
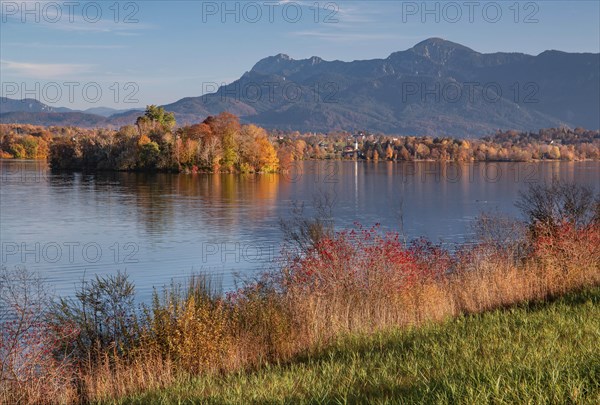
x=356 y=281
x=531 y=354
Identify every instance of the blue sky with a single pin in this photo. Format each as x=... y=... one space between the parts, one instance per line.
x=160 y=51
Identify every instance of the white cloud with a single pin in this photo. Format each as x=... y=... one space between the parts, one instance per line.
x=43 y=70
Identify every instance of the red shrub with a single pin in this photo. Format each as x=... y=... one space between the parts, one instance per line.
x=568 y=246
x=363 y=259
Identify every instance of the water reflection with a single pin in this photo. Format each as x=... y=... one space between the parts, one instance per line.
x=160 y=226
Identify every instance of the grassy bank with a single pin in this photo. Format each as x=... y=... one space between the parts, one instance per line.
x=540 y=353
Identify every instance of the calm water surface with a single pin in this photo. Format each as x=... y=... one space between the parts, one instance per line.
x=166 y=226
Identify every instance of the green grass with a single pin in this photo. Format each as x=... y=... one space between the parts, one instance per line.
x=530 y=354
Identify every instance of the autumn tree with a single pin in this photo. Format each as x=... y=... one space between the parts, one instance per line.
x=268 y=161
x=300 y=146
x=198 y=132
x=227 y=127
x=209 y=150
x=422 y=151
x=149 y=153
x=256 y=152
x=389 y=152
x=404 y=153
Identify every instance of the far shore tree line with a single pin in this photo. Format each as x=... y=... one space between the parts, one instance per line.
x=222 y=144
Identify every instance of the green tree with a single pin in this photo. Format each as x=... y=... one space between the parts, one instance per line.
x=156 y=118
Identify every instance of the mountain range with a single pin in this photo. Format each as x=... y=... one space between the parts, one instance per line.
x=436 y=87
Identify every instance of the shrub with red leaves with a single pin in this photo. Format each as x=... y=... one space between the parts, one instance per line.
x=568 y=245
x=364 y=259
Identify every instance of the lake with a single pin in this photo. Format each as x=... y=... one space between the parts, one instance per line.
x=163 y=227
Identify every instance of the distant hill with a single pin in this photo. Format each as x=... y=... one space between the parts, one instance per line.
x=63 y=119
x=108 y=112
x=428 y=89
x=31 y=111
x=8 y=105
x=435 y=88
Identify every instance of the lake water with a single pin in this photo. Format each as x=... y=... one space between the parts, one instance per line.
x=162 y=227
